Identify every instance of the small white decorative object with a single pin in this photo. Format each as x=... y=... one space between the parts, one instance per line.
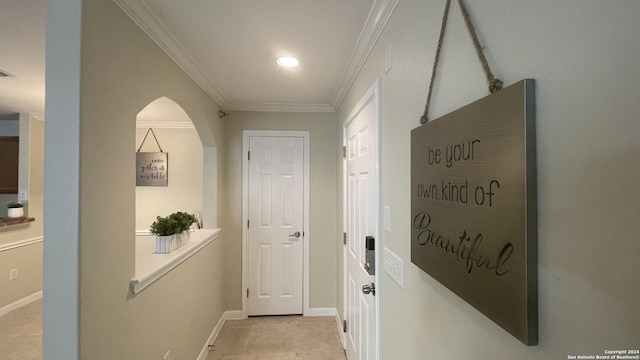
x=178 y=239
x=15 y=212
x=166 y=244
x=178 y=225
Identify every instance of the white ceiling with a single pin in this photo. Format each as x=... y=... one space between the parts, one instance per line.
x=22 y=32
x=227 y=46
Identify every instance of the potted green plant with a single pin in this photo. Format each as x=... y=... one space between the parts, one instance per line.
x=172 y=232
x=185 y=220
x=165 y=229
x=15 y=210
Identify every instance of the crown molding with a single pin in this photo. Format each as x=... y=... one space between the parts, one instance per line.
x=164 y=124
x=280 y=107
x=379 y=16
x=155 y=29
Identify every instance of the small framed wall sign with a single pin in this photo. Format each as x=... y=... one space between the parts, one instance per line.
x=152 y=168
x=473 y=206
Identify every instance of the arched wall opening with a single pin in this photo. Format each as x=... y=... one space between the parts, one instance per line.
x=191 y=168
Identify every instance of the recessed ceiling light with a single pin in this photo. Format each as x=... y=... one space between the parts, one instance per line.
x=287 y=61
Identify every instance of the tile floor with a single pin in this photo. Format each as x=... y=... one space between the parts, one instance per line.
x=21 y=333
x=265 y=338
x=279 y=337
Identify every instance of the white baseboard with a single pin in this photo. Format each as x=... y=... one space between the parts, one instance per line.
x=322 y=312
x=233 y=315
x=20 y=303
x=227 y=315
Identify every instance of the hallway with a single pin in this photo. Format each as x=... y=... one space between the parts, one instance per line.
x=104 y=61
x=279 y=337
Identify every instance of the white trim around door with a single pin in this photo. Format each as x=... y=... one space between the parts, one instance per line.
x=372 y=95
x=246 y=134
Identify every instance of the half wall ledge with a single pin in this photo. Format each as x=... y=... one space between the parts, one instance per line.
x=151 y=266
x=15 y=223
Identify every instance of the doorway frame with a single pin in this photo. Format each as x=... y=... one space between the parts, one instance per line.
x=372 y=94
x=305 y=135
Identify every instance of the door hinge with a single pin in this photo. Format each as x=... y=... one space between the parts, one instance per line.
x=249 y=155
x=247 y=223
x=247 y=292
x=344 y=152
x=344 y=238
x=344 y=325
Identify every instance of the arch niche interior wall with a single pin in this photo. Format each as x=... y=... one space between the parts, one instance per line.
x=187 y=179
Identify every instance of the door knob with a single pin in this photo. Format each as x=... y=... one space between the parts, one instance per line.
x=369 y=289
x=295 y=234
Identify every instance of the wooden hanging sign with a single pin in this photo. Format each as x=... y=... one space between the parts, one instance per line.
x=473 y=206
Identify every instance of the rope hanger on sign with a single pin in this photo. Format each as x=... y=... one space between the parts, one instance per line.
x=145 y=139
x=495 y=84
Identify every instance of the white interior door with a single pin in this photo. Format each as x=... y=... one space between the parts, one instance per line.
x=275 y=234
x=362 y=221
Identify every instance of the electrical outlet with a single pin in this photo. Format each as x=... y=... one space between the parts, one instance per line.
x=13 y=274
x=394 y=266
x=23 y=195
x=167 y=356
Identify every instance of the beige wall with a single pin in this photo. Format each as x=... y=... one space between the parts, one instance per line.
x=184 y=190
x=584 y=57
x=322 y=173
x=122 y=71
x=27 y=259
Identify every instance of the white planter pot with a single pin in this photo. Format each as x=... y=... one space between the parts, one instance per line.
x=15 y=212
x=186 y=237
x=182 y=238
x=179 y=241
x=166 y=244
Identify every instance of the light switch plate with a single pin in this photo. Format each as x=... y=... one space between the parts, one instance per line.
x=394 y=266
x=386 y=219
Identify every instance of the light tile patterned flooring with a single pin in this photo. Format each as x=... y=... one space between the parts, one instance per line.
x=265 y=338
x=279 y=337
x=21 y=333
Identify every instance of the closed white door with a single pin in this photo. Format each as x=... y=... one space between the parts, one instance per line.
x=361 y=216
x=275 y=234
